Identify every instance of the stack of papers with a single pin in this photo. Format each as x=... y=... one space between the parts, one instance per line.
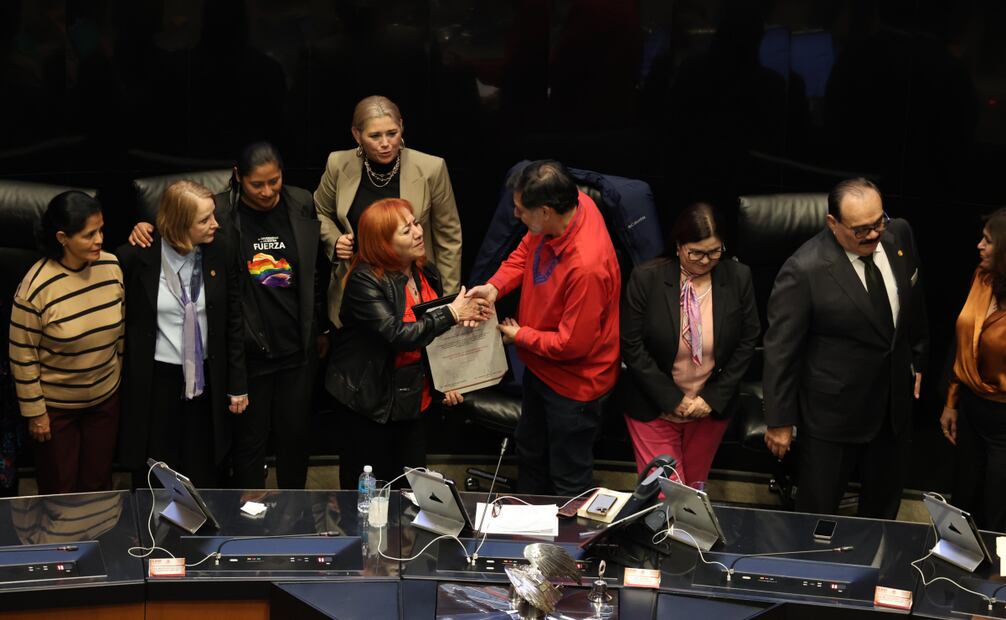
x=519 y=519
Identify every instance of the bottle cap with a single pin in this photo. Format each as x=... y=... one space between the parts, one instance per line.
x=367 y=469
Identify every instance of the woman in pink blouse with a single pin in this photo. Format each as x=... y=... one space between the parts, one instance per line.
x=689 y=326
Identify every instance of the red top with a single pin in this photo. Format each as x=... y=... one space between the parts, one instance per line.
x=568 y=312
x=404 y=358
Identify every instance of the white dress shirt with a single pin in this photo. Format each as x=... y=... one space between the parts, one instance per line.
x=168 y=344
x=884 y=266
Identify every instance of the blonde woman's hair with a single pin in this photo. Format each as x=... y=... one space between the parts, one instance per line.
x=375 y=106
x=177 y=212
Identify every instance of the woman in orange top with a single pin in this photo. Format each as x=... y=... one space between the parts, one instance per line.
x=974 y=418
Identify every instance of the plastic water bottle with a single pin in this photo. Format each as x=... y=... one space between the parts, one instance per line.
x=365 y=489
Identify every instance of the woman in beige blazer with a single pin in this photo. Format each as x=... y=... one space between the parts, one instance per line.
x=381 y=167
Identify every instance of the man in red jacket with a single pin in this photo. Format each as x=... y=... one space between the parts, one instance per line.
x=566 y=330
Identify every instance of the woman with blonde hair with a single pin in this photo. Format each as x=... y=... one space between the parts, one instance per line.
x=381 y=167
x=184 y=340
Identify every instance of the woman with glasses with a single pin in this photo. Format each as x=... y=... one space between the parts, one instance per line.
x=974 y=418
x=689 y=327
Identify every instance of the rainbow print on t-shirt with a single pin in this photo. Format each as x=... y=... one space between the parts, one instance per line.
x=268 y=271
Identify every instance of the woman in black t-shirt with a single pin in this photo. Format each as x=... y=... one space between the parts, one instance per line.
x=278 y=236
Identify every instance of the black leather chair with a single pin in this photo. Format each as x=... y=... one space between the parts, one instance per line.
x=21 y=207
x=148 y=190
x=769 y=229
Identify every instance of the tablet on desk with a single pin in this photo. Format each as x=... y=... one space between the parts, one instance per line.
x=958 y=539
x=695 y=522
x=186 y=507
x=441 y=510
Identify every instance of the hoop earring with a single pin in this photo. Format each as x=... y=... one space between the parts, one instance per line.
x=359 y=151
x=402 y=145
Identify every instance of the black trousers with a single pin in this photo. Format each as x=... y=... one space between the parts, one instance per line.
x=279 y=403
x=980 y=472
x=388 y=447
x=827 y=466
x=181 y=431
x=555 y=440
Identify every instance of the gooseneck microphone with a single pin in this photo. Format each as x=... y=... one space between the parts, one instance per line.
x=475 y=556
x=730 y=570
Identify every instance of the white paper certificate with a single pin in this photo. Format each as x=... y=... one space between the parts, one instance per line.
x=467 y=359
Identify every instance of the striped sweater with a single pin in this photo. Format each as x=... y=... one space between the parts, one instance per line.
x=66 y=335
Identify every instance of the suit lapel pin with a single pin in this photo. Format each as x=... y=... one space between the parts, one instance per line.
x=900 y=253
x=213 y=272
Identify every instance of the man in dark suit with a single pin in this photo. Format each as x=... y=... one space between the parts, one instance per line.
x=846 y=342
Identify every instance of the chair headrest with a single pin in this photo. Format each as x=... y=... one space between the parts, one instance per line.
x=773 y=226
x=21 y=207
x=149 y=190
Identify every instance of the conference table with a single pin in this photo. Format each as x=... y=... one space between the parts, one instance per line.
x=309 y=554
x=67 y=556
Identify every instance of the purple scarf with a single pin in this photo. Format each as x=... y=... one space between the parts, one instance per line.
x=192 y=338
x=691 y=320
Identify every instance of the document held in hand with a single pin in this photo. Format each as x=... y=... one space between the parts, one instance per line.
x=465 y=359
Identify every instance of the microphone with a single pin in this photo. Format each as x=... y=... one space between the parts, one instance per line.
x=35 y=548
x=730 y=570
x=475 y=556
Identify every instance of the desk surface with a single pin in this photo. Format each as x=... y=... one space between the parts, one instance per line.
x=444 y=560
x=941 y=599
x=94 y=531
x=300 y=526
x=303 y=535
x=880 y=555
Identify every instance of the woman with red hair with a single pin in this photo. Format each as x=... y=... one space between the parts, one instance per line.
x=376 y=370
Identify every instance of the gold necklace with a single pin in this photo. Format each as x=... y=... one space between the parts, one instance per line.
x=380 y=179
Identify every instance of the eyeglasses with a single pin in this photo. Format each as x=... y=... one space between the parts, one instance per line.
x=697 y=255
x=862 y=232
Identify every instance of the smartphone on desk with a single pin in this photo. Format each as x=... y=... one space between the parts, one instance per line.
x=824 y=530
x=569 y=510
x=601 y=504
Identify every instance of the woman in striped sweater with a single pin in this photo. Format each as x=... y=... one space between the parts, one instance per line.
x=66 y=339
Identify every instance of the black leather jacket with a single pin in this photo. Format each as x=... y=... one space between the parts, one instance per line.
x=361 y=367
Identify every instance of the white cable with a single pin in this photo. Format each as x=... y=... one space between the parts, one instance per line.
x=573 y=499
x=406 y=473
x=485 y=533
x=671 y=529
x=145 y=552
x=380 y=530
x=380 y=539
x=699 y=549
x=925 y=583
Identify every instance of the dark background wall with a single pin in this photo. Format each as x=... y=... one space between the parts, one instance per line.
x=703 y=99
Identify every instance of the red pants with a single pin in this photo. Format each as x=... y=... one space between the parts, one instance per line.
x=692 y=444
x=78 y=458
